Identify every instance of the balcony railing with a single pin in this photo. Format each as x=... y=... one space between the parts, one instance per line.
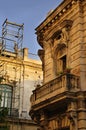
x=8 y=112
x=65 y=82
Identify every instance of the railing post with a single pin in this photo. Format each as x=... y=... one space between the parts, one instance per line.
x=64 y=82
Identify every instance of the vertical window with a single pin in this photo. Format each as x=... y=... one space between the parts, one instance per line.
x=6 y=96
x=63 y=59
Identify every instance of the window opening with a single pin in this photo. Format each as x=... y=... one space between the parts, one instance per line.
x=6 y=96
x=63 y=59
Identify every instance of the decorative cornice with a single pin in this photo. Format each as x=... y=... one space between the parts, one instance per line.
x=52 y=18
x=56 y=15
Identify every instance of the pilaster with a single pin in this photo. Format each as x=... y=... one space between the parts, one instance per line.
x=81 y=112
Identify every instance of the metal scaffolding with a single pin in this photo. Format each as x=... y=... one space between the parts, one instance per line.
x=12 y=37
x=11 y=71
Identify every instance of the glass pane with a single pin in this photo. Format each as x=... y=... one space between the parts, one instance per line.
x=6 y=95
x=2 y=99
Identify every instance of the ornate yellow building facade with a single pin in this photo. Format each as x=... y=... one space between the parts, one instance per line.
x=60 y=103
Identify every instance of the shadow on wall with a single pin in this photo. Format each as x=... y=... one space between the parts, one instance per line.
x=29 y=86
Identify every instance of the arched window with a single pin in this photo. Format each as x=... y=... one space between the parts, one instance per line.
x=60 y=58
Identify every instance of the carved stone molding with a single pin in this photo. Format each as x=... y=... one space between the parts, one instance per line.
x=40 y=38
x=67 y=24
x=72 y=114
x=35 y=116
x=43 y=120
x=57 y=34
x=59 y=120
x=41 y=55
x=5 y=79
x=81 y=104
x=72 y=117
x=62 y=121
x=56 y=15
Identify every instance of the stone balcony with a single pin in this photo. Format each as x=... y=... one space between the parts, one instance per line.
x=64 y=83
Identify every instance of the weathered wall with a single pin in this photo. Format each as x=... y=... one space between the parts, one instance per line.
x=23 y=75
x=76 y=41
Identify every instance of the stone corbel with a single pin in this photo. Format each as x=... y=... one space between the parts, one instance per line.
x=51 y=43
x=67 y=24
x=40 y=38
x=37 y=118
x=41 y=55
x=72 y=117
x=43 y=120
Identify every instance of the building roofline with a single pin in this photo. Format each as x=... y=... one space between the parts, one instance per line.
x=55 y=15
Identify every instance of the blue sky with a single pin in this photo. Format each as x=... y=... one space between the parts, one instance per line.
x=29 y=12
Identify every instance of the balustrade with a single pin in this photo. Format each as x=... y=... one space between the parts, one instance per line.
x=64 y=82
